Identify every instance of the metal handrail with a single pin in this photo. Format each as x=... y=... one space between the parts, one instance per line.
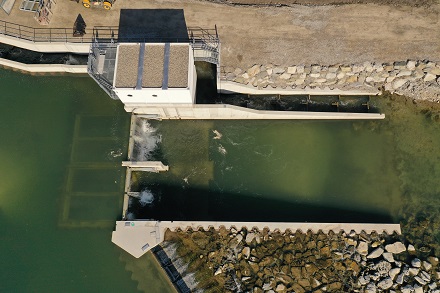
x=102 y=33
x=41 y=34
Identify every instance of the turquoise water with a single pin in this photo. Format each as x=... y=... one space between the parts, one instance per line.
x=60 y=176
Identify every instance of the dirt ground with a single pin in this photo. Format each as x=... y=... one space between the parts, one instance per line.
x=414 y=3
x=288 y=35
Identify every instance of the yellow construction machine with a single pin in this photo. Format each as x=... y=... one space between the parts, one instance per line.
x=106 y=4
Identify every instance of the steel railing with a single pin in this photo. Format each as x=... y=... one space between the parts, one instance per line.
x=102 y=34
x=41 y=34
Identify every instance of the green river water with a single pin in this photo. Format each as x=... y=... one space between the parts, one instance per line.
x=61 y=184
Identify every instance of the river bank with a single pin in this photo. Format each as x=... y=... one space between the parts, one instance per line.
x=419 y=80
x=299 y=261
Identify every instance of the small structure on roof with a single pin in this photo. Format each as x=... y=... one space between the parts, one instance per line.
x=149 y=58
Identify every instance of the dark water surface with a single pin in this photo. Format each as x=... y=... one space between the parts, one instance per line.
x=61 y=184
x=273 y=171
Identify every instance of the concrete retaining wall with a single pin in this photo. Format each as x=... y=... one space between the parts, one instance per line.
x=46 y=47
x=44 y=68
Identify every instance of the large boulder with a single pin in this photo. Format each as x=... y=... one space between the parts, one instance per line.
x=254 y=70
x=251 y=236
x=396 y=247
x=371 y=288
x=420 y=280
x=435 y=71
x=281 y=288
x=427 y=265
x=416 y=263
x=385 y=284
x=235 y=241
x=411 y=65
x=388 y=256
x=362 y=248
x=376 y=253
x=383 y=268
x=399 y=279
x=429 y=77
x=394 y=272
x=425 y=276
x=364 y=280
x=418 y=289
x=246 y=252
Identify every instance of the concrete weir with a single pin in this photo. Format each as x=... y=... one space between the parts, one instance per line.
x=138 y=237
x=231 y=112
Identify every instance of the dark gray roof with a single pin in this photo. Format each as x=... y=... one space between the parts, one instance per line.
x=152 y=25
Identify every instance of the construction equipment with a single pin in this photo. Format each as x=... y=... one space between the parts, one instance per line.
x=106 y=4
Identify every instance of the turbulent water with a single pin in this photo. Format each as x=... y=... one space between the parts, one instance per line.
x=146 y=141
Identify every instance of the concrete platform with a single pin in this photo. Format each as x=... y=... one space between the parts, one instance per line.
x=154 y=166
x=138 y=237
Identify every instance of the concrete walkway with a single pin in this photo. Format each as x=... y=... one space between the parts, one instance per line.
x=138 y=237
x=44 y=68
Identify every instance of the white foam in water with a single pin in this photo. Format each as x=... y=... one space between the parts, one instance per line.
x=146 y=139
x=218 y=135
x=222 y=150
x=116 y=153
x=146 y=197
x=130 y=216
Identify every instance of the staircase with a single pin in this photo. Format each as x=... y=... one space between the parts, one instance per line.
x=205 y=44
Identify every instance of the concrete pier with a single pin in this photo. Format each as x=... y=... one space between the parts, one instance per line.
x=138 y=237
x=151 y=166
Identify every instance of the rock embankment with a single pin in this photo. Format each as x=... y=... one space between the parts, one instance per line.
x=416 y=79
x=264 y=261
